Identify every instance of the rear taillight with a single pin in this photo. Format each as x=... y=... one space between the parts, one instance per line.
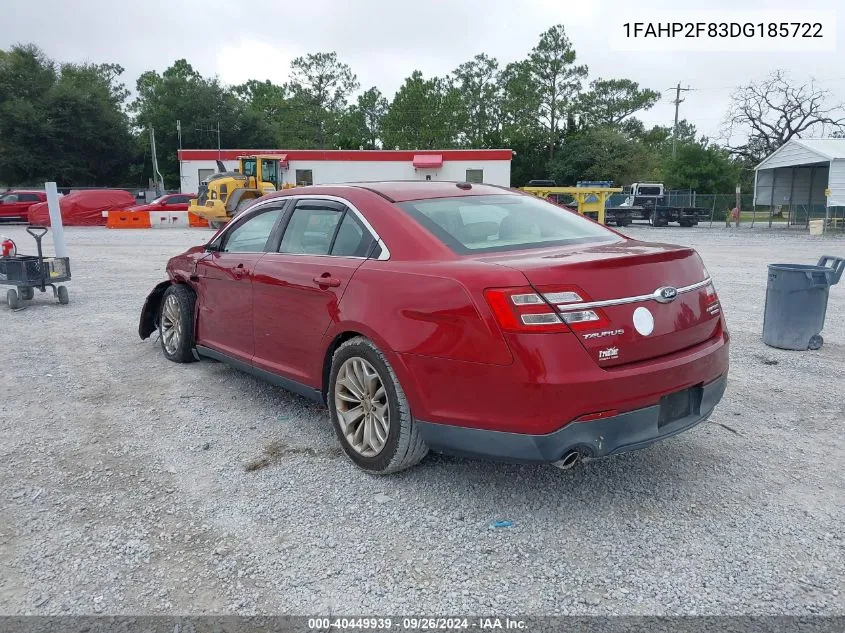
x=712 y=300
x=523 y=310
x=567 y=299
x=549 y=309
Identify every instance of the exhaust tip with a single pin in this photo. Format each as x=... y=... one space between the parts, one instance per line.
x=568 y=461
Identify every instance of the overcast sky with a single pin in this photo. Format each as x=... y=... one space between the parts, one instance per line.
x=385 y=40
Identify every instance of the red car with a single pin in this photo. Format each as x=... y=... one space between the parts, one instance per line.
x=167 y=202
x=14 y=205
x=467 y=319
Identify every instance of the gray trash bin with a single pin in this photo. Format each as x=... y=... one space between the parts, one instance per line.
x=796 y=302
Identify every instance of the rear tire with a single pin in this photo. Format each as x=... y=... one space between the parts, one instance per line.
x=12 y=299
x=27 y=293
x=362 y=380
x=64 y=299
x=176 y=323
x=216 y=224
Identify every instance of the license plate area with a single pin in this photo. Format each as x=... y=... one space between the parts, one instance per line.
x=679 y=405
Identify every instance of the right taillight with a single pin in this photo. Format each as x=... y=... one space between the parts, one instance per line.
x=713 y=307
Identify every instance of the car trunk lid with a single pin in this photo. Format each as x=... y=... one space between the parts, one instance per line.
x=647 y=300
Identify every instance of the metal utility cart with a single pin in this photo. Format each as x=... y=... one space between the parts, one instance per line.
x=28 y=272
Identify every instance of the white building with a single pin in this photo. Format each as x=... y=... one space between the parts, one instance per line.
x=801 y=172
x=318 y=167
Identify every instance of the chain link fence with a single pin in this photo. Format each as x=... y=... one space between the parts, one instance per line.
x=718 y=209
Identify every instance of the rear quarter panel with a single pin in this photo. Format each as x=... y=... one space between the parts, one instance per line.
x=421 y=310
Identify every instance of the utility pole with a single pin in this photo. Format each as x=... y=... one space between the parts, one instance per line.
x=218 y=140
x=179 y=132
x=677 y=102
x=156 y=173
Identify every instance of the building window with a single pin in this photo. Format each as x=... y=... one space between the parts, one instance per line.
x=204 y=173
x=304 y=177
x=475 y=175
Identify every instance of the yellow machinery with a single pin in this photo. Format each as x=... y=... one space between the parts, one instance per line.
x=591 y=200
x=223 y=195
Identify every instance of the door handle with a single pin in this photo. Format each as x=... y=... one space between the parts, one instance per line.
x=327 y=280
x=239 y=272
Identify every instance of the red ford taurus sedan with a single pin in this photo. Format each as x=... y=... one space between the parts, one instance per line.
x=467 y=319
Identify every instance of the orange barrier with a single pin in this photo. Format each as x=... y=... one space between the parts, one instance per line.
x=196 y=221
x=127 y=219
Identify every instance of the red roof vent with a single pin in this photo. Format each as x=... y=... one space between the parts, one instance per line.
x=428 y=161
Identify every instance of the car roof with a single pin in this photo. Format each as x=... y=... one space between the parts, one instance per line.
x=405 y=190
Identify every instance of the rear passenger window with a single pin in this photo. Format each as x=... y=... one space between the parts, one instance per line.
x=310 y=231
x=352 y=239
x=27 y=197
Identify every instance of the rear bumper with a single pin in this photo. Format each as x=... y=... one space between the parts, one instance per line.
x=618 y=434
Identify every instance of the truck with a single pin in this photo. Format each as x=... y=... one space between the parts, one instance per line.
x=648 y=201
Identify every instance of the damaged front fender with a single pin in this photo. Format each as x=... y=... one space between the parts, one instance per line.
x=149 y=313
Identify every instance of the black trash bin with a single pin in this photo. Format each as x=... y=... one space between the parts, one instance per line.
x=796 y=302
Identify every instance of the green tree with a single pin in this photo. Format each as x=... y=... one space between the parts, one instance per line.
x=201 y=104
x=610 y=101
x=701 y=166
x=361 y=125
x=521 y=129
x=321 y=85
x=422 y=115
x=478 y=91
x=604 y=153
x=65 y=123
x=558 y=80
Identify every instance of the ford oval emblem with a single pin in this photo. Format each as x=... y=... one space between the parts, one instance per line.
x=667 y=294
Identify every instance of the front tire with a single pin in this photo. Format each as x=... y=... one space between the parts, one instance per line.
x=369 y=411
x=176 y=323
x=27 y=293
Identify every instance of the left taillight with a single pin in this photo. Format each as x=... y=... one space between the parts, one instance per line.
x=546 y=309
x=521 y=309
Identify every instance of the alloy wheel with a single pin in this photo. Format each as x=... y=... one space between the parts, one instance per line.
x=363 y=413
x=171 y=324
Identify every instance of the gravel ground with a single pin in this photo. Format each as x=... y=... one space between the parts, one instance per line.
x=124 y=487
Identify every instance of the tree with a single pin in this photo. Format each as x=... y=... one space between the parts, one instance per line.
x=766 y=114
x=361 y=125
x=64 y=123
x=422 y=115
x=558 y=79
x=321 y=85
x=201 y=104
x=477 y=87
x=701 y=166
x=604 y=153
x=610 y=101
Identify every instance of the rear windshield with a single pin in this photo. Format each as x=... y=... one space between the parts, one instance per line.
x=477 y=224
x=649 y=191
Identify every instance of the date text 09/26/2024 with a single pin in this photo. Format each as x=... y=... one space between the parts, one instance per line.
x=415 y=624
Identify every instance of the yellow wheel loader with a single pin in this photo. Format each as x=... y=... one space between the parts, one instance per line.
x=223 y=195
